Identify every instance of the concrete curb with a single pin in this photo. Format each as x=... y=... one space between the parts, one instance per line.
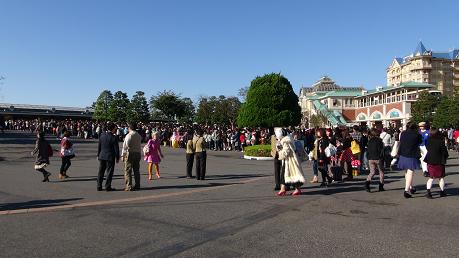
x=257 y=158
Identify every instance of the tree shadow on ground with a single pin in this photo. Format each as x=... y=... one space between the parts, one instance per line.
x=35 y=204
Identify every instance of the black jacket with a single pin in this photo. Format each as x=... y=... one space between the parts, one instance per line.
x=375 y=148
x=437 y=154
x=108 y=147
x=409 y=144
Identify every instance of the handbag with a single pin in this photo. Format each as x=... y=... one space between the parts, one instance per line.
x=69 y=152
x=146 y=149
x=355 y=147
x=395 y=148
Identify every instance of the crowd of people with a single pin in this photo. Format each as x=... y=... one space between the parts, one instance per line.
x=219 y=138
x=337 y=154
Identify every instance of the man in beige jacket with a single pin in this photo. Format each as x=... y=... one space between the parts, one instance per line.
x=131 y=157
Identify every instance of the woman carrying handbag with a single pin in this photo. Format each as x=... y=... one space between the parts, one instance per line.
x=67 y=153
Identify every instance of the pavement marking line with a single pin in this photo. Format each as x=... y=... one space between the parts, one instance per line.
x=116 y=201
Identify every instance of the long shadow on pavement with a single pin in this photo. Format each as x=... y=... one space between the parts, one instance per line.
x=35 y=204
x=185 y=186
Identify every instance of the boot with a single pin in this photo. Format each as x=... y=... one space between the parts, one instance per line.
x=381 y=187
x=367 y=186
x=442 y=194
x=429 y=194
x=46 y=176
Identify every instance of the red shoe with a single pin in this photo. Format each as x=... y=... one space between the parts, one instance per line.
x=281 y=193
x=297 y=192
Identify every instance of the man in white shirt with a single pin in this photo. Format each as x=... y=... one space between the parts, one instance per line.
x=131 y=157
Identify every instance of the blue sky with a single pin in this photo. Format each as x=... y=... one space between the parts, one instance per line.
x=67 y=52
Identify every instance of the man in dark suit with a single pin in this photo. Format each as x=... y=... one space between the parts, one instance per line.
x=108 y=152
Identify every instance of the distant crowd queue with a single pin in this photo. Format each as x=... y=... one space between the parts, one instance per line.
x=337 y=154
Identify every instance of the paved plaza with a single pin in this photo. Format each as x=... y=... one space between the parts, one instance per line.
x=233 y=213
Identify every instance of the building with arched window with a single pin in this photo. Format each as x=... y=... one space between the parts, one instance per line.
x=383 y=106
x=441 y=69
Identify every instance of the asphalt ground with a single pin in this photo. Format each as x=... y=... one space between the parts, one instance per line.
x=234 y=213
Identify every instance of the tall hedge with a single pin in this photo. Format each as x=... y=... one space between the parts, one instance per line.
x=270 y=102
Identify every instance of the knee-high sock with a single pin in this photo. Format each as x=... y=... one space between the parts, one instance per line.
x=429 y=183
x=408 y=179
x=442 y=184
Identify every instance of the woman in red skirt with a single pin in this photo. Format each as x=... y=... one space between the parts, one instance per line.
x=436 y=157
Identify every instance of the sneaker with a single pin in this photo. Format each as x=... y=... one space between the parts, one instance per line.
x=443 y=194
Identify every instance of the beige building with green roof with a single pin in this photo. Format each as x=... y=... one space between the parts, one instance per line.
x=329 y=100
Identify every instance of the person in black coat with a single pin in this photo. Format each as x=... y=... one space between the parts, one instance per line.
x=43 y=151
x=107 y=153
x=409 y=154
x=437 y=154
x=375 y=149
x=322 y=159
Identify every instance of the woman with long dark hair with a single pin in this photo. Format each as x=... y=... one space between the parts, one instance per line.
x=409 y=153
x=67 y=153
x=322 y=143
x=375 y=158
x=437 y=154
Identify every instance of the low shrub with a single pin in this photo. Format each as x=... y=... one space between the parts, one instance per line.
x=258 y=151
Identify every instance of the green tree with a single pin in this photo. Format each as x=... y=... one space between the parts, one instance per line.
x=169 y=105
x=231 y=107
x=188 y=108
x=205 y=110
x=446 y=112
x=218 y=110
x=270 y=102
x=119 y=107
x=454 y=110
x=315 y=121
x=138 y=109
x=101 y=106
x=423 y=109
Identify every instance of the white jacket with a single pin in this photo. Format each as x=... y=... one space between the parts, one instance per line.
x=293 y=171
